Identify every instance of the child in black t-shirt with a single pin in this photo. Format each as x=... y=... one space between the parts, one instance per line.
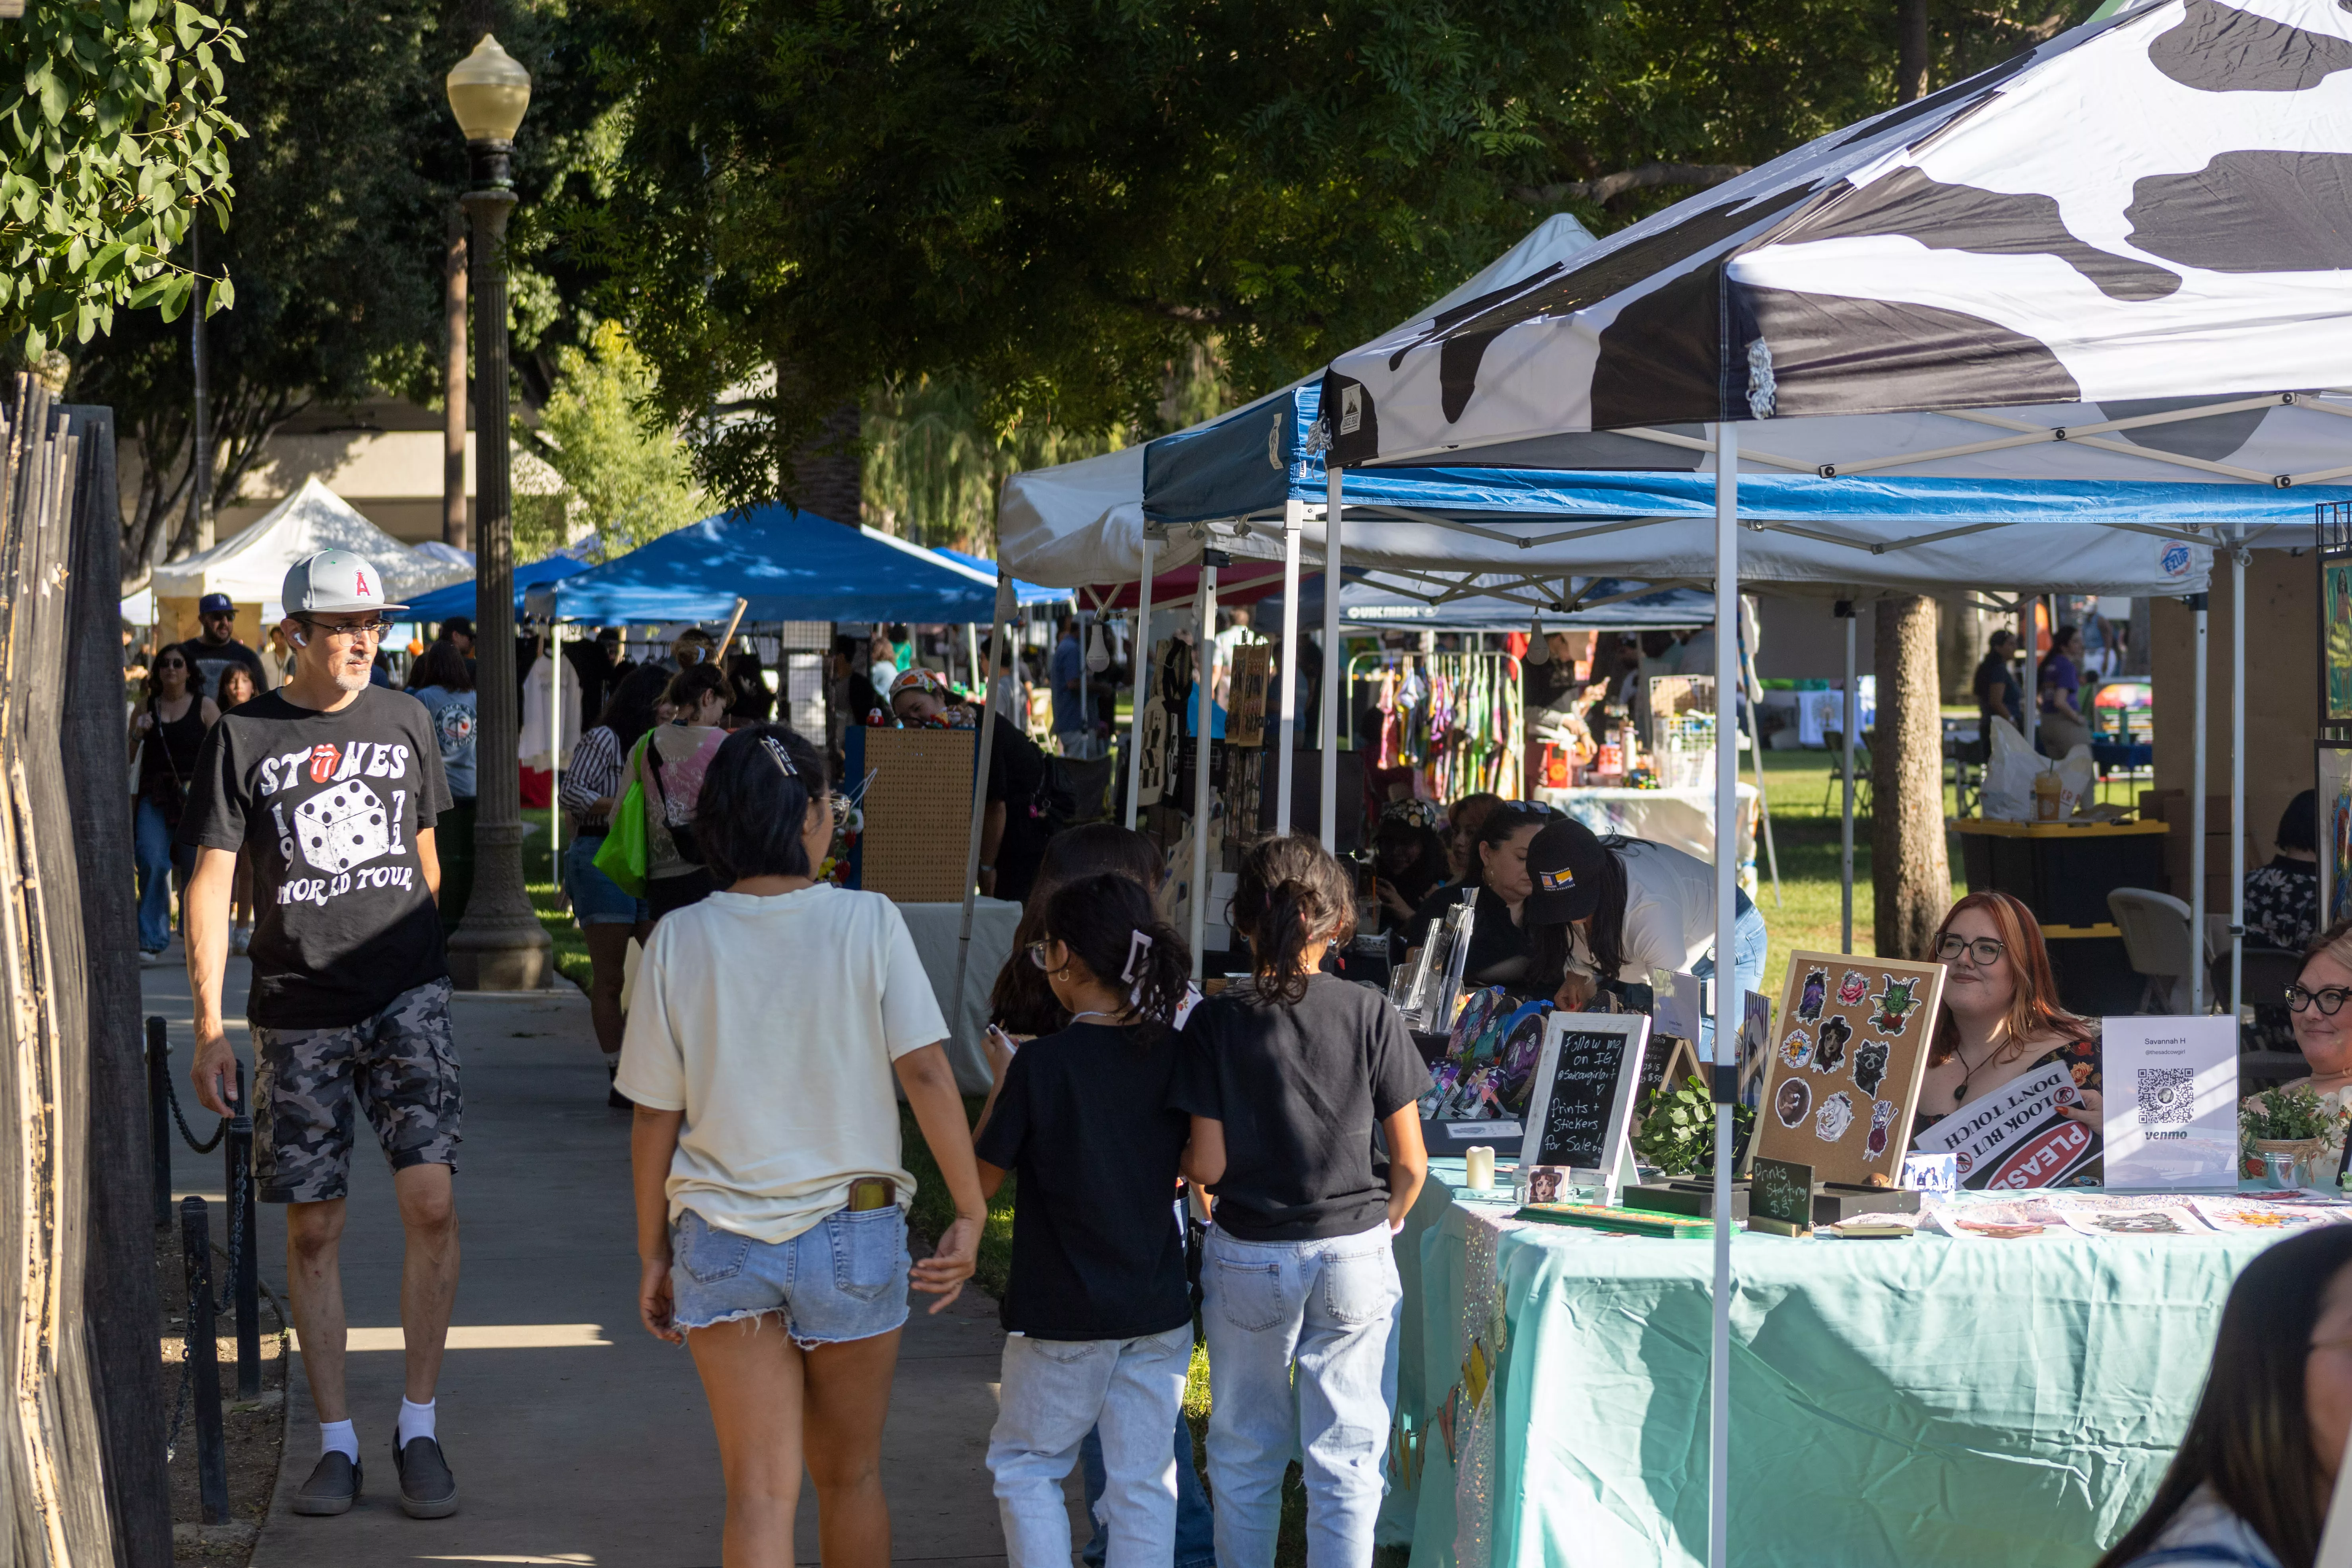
x=1284 y=1078
x=1098 y=1311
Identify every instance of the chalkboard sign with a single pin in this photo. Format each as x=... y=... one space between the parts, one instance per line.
x=1667 y=1064
x=1581 y=1111
x=1782 y=1192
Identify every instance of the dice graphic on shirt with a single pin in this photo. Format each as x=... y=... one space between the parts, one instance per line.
x=342 y=827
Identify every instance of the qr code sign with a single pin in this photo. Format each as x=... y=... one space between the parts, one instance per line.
x=2167 y=1097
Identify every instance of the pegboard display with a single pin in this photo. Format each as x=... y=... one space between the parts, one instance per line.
x=918 y=811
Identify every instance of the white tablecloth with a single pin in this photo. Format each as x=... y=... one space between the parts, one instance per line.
x=934 y=928
x=1682 y=817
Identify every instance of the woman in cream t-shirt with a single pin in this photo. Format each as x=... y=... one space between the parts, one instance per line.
x=773 y=1025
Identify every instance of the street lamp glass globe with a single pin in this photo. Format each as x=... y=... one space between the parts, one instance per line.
x=488 y=90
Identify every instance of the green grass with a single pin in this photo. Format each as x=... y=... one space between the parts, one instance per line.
x=934 y=1210
x=539 y=878
x=1806 y=834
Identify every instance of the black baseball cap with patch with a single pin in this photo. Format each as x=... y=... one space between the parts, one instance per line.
x=1564 y=863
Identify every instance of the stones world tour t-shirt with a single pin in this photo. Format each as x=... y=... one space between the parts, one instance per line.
x=328 y=807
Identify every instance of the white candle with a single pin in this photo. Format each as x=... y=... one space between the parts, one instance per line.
x=1478 y=1167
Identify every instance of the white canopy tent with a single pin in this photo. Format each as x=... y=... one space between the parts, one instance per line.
x=250 y=566
x=2148 y=207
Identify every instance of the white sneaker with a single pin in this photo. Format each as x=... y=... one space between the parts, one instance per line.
x=148 y=957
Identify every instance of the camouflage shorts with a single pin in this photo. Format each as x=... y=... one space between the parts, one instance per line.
x=400 y=1064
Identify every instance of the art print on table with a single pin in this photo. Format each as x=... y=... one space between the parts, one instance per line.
x=1834 y=1117
x=1844 y=1084
x=2166 y=1220
x=1897 y=999
x=2254 y=1216
x=1816 y=990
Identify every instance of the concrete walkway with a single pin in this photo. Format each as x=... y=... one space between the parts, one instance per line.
x=577 y=1438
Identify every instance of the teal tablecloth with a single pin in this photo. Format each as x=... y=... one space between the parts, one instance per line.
x=1918 y=1402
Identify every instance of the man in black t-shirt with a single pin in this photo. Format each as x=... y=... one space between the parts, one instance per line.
x=330 y=786
x=218 y=648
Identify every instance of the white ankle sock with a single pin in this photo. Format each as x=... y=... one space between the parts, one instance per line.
x=337 y=1437
x=415 y=1421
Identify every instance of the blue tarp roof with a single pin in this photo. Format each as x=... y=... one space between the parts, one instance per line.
x=1025 y=594
x=1253 y=461
x=789 y=565
x=458 y=599
x=1384 y=599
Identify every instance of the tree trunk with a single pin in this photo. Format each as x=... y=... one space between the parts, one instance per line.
x=829 y=472
x=1909 y=870
x=1910 y=50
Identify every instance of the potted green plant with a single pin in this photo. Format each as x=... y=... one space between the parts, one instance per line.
x=2291 y=1122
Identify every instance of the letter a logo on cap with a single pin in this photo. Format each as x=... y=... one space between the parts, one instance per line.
x=360 y=589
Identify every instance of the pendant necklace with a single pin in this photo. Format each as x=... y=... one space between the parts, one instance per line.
x=1961 y=1093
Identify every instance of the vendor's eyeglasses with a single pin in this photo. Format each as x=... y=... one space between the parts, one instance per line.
x=1036 y=952
x=1985 y=951
x=2330 y=1000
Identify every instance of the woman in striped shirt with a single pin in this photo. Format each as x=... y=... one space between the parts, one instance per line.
x=592 y=785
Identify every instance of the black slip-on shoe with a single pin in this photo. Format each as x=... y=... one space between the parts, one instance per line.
x=427 y=1489
x=334 y=1482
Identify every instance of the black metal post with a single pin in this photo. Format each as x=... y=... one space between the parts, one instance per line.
x=159 y=1117
x=203 y=1361
x=244 y=1275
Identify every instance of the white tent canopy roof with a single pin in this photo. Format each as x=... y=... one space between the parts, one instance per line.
x=250 y=567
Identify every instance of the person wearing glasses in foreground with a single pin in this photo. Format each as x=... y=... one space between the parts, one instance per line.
x=2323 y=1029
x=331 y=788
x=773 y=1025
x=2249 y=1487
x=2001 y=1020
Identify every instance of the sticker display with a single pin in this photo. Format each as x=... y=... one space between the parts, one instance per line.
x=1816 y=990
x=1845 y=1066
x=1834 y=1117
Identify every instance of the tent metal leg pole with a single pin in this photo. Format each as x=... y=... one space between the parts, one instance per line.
x=1138 y=662
x=1845 y=813
x=2028 y=620
x=1727 y=999
x=2197 y=828
x=2239 y=556
x=1334 y=657
x=1294 y=518
x=971 y=658
x=1204 y=665
x=980 y=789
x=556 y=750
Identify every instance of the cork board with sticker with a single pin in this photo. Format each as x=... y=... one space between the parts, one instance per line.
x=918 y=811
x=1848 y=1049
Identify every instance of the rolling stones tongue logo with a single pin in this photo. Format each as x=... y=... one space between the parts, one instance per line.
x=323 y=757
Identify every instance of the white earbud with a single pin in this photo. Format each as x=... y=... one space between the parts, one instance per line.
x=301 y=641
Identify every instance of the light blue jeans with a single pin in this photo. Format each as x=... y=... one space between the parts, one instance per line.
x=1053 y=1392
x=1196 y=1540
x=1328 y=1308
x=1750 y=941
x=157 y=858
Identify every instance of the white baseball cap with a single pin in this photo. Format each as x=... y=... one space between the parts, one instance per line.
x=332 y=581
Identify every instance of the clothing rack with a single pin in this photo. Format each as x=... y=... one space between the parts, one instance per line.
x=1458 y=719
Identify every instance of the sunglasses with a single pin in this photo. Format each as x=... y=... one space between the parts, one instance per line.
x=375 y=628
x=170 y=664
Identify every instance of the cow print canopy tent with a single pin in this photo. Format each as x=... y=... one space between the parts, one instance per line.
x=2154 y=205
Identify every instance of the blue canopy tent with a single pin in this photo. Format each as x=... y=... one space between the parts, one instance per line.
x=1422 y=602
x=458 y=599
x=785 y=565
x=1024 y=593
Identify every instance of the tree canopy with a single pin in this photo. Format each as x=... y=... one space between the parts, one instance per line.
x=1052 y=201
x=113 y=134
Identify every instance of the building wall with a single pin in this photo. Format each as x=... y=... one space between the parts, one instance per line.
x=2282 y=691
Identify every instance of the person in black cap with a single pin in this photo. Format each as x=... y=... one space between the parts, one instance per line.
x=1616 y=909
x=218 y=648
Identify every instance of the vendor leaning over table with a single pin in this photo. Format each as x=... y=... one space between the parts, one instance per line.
x=1499 y=945
x=2001 y=1020
x=1620 y=908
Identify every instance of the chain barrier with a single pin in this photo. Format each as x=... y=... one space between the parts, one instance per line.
x=172 y=1096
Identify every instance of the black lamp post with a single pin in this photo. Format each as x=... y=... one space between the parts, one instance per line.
x=498 y=945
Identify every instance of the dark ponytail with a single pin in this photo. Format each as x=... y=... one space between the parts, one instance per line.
x=1606 y=937
x=1109 y=923
x=754 y=802
x=1290 y=892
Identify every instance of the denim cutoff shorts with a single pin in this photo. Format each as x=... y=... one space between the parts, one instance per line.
x=596 y=898
x=843 y=1278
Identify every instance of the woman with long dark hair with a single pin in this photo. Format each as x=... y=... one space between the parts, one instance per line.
x=2058 y=686
x=1498 y=936
x=2001 y=1020
x=1022 y=1004
x=669 y=767
x=2251 y=1484
x=1618 y=909
x=164 y=736
x=607 y=917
